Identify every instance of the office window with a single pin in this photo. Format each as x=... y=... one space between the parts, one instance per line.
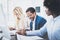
x=37 y=9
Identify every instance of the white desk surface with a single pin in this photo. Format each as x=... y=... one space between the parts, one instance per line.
x=20 y=37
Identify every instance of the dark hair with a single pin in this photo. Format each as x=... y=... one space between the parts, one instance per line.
x=31 y=9
x=53 y=6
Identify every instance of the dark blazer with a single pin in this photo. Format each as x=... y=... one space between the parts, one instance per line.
x=39 y=22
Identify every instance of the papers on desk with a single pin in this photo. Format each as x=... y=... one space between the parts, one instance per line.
x=13 y=32
x=20 y=37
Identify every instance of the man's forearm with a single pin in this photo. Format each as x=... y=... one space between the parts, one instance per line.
x=40 y=32
x=33 y=33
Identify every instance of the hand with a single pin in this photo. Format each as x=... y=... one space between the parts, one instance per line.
x=12 y=28
x=21 y=32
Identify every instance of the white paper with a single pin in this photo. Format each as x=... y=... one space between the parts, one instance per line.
x=20 y=37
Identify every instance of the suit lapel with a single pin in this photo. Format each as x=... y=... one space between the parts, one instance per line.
x=31 y=24
x=36 y=22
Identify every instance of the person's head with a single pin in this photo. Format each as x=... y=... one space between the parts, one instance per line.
x=17 y=12
x=52 y=7
x=31 y=13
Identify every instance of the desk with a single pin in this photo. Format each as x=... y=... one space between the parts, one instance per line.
x=20 y=37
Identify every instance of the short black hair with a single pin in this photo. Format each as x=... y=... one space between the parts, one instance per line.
x=53 y=6
x=31 y=9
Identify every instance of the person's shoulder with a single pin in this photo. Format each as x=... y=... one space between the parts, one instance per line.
x=57 y=20
x=39 y=17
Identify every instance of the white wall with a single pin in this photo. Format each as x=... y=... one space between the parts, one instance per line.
x=3 y=11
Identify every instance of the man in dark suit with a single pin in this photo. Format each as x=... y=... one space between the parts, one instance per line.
x=36 y=21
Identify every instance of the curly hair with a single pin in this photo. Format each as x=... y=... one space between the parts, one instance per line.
x=18 y=10
x=53 y=6
x=31 y=9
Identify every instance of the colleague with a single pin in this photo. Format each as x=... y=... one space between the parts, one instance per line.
x=52 y=28
x=36 y=21
x=20 y=19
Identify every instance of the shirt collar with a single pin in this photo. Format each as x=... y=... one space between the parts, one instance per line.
x=34 y=19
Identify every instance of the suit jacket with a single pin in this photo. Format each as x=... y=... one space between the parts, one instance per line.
x=39 y=22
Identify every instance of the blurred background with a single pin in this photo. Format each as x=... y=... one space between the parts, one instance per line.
x=7 y=6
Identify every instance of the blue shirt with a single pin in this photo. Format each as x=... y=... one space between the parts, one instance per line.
x=52 y=28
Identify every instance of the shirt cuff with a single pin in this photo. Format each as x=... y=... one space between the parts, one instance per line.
x=29 y=33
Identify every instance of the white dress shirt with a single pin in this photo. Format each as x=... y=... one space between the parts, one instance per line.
x=34 y=24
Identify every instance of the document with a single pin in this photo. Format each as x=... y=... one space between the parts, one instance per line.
x=20 y=37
